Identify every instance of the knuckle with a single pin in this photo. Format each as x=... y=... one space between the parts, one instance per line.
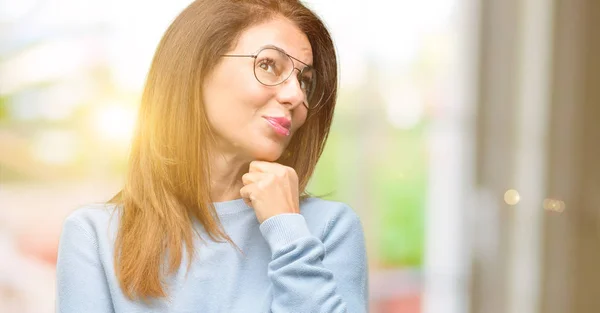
x=291 y=172
x=252 y=165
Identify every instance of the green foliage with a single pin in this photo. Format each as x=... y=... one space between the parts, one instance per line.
x=400 y=189
x=3 y=109
x=395 y=184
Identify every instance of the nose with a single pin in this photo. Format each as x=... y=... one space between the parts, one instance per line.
x=290 y=92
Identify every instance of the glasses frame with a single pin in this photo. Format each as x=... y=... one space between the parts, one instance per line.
x=300 y=71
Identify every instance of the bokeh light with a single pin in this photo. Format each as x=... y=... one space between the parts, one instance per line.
x=512 y=197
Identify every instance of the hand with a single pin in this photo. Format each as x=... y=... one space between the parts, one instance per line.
x=270 y=189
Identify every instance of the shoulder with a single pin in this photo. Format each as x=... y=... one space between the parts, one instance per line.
x=327 y=208
x=92 y=220
x=330 y=216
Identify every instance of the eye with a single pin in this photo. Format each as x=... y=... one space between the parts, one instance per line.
x=305 y=83
x=268 y=65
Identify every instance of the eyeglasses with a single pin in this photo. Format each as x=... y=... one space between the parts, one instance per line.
x=273 y=66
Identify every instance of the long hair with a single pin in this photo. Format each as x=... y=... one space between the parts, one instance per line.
x=167 y=184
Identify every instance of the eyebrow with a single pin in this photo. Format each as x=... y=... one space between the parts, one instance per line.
x=281 y=49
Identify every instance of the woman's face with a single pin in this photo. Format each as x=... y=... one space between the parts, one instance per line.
x=251 y=120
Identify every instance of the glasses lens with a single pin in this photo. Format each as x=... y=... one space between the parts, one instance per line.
x=307 y=80
x=272 y=67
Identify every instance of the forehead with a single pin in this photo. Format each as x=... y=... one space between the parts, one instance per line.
x=277 y=32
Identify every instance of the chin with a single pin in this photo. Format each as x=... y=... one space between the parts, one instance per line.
x=268 y=157
x=269 y=154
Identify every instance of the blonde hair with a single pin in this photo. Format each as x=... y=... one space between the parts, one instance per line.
x=167 y=183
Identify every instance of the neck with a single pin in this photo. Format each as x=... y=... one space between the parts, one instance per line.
x=226 y=176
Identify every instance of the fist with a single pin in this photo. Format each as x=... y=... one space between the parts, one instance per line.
x=270 y=189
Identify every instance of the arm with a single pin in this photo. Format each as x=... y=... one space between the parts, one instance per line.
x=309 y=275
x=80 y=280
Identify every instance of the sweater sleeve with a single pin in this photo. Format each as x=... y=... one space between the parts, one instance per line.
x=309 y=275
x=81 y=284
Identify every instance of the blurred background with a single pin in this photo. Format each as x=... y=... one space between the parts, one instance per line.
x=466 y=137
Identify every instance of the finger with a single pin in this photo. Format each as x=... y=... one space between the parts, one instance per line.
x=253 y=177
x=266 y=167
x=246 y=192
x=256 y=166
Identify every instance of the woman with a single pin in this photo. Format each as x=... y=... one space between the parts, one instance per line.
x=213 y=216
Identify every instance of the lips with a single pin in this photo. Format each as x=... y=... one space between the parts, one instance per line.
x=280 y=125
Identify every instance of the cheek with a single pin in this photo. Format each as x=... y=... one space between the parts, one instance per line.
x=255 y=96
x=299 y=118
x=235 y=100
x=247 y=95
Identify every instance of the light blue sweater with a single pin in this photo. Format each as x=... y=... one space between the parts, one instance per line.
x=314 y=261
